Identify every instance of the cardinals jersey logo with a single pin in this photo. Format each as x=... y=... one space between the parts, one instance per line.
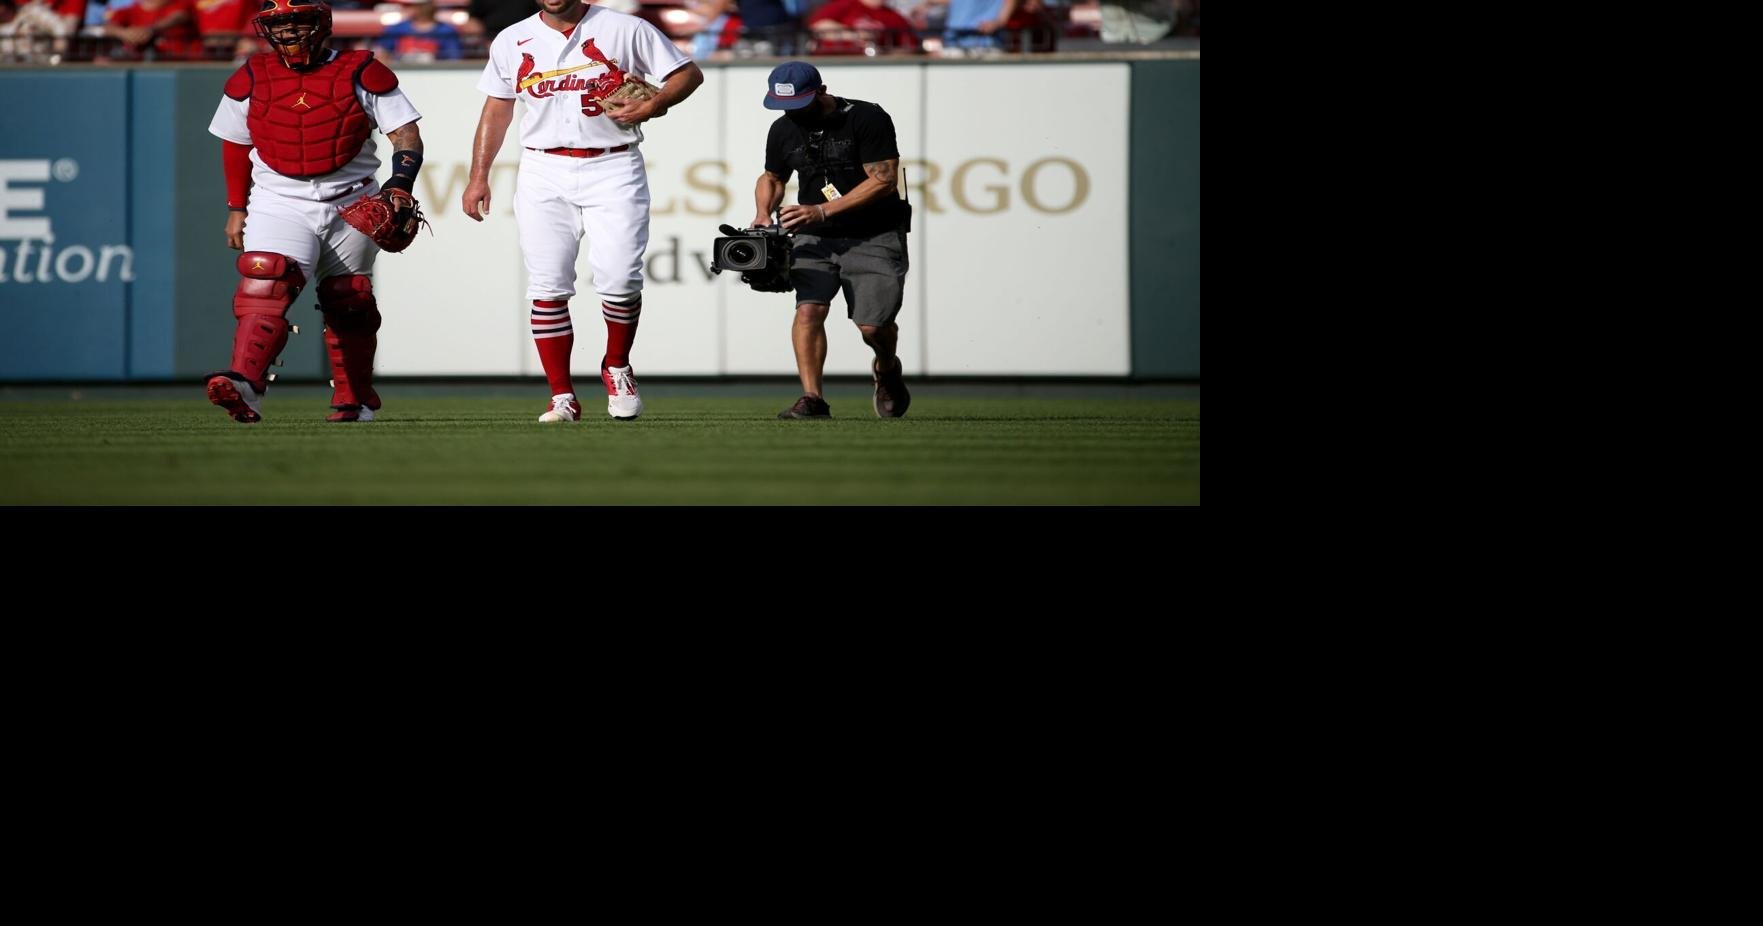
x=541 y=84
x=606 y=83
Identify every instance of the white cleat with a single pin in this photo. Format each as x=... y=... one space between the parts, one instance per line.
x=622 y=401
x=563 y=408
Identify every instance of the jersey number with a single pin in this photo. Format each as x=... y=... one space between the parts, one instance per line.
x=589 y=107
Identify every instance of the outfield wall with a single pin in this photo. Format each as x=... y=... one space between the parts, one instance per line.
x=1056 y=229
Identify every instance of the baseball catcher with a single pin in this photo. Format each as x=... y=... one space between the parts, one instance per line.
x=295 y=125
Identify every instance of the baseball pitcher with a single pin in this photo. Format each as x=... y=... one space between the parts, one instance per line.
x=579 y=70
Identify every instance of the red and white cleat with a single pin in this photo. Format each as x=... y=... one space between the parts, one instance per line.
x=622 y=401
x=236 y=396
x=563 y=408
x=351 y=413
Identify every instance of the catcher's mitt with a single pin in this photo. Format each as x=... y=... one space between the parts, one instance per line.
x=390 y=217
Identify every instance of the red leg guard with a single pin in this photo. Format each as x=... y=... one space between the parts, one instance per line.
x=270 y=283
x=351 y=320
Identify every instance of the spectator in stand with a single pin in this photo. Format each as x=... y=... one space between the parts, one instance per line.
x=492 y=16
x=854 y=27
x=975 y=25
x=772 y=27
x=722 y=27
x=1137 y=21
x=156 y=30
x=419 y=37
x=38 y=29
x=71 y=14
x=226 y=28
x=1031 y=28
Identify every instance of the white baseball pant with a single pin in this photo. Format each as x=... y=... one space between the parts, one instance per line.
x=310 y=232
x=557 y=198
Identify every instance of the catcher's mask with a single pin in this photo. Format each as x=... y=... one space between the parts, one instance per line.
x=297 y=29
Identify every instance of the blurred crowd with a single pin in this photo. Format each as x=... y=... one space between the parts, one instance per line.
x=104 y=31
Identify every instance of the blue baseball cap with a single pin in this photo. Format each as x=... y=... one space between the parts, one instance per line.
x=791 y=85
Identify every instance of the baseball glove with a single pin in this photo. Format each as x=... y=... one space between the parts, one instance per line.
x=631 y=90
x=390 y=217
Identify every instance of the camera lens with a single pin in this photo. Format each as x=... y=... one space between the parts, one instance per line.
x=742 y=254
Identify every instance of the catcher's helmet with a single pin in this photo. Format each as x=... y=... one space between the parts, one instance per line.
x=297 y=29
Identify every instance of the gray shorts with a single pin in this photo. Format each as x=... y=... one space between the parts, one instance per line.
x=870 y=271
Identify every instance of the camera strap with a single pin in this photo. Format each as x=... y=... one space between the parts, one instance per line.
x=906 y=194
x=815 y=148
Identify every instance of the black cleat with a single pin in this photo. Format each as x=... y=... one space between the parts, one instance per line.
x=808 y=406
x=891 y=395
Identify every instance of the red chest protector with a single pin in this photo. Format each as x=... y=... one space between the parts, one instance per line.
x=309 y=123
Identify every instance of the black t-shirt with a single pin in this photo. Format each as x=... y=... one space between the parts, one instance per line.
x=857 y=133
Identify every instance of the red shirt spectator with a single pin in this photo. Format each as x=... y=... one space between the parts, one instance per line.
x=74 y=8
x=144 y=25
x=226 y=17
x=873 y=19
x=227 y=28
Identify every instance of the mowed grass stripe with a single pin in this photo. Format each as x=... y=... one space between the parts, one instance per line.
x=685 y=450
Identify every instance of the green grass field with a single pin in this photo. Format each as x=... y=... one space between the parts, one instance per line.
x=693 y=446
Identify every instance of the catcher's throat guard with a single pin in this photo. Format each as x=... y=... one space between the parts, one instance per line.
x=762 y=255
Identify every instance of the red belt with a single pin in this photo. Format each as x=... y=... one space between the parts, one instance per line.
x=581 y=152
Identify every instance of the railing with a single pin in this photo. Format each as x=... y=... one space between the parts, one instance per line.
x=787 y=42
x=92 y=46
x=96 y=47
x=103 y=49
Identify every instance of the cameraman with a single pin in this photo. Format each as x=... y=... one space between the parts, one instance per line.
x=850 y=228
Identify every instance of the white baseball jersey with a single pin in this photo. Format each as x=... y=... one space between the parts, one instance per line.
x=555 y=74
x=389 y=111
